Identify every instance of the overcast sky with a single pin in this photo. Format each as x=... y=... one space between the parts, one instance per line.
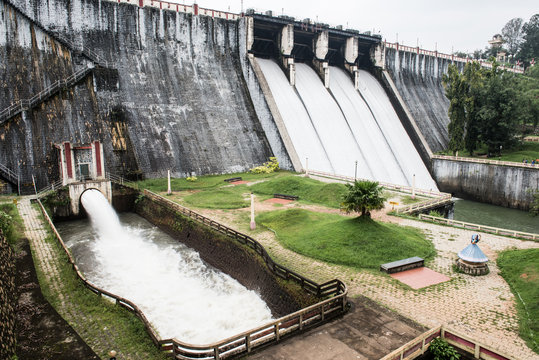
x=464 y=25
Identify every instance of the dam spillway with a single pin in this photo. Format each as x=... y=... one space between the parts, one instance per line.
x=334 y=128
x=180 y=295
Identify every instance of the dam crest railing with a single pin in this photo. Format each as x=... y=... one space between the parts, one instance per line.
x=334 y=292
x=453 y=58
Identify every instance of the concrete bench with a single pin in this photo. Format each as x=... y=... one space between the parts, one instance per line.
x=286 y=197
x=233 y=179
x=401 y=265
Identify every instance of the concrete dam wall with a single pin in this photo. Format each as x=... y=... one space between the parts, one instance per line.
x=507 y=186
x=418 y=78
x=173 y=95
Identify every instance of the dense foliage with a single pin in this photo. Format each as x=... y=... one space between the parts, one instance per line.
x=362 y=197
x=489 y=106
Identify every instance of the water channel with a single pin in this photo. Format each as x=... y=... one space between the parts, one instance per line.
x=496 y=216
x=181 y=296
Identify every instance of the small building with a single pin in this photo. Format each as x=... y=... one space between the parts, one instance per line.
x=472 y=260
x=80 y=162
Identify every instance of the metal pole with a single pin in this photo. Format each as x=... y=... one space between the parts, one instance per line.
x=355 y=172
x=413 y=187
x=34 y=182
x=253 y=223
x=307 y=167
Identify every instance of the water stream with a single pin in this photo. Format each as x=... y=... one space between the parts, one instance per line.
x=181 y=296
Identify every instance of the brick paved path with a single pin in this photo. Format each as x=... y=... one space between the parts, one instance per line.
x=482 y=307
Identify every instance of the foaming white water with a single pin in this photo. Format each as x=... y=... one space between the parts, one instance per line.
x=180 y=295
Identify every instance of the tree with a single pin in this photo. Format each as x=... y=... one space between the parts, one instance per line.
x=462 y=90
x=498 y=113
x=529 y=48
x=512 y=34
x=362 y=197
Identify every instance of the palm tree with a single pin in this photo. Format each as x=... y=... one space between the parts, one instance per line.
x=362 y=197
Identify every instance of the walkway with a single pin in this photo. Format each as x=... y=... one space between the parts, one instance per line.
x=481 y=307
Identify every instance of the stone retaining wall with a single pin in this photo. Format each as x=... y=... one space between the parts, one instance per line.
x=7 y=300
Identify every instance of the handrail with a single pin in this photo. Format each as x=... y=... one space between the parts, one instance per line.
x=486 y=161
x=10 y=174
x=484 y=228
x=427 y=204
x=47 y=189
x=420 y=344
x=334 y=291
x=453 y=58
x=403 y=188
x=120 y=180
x=25 y=104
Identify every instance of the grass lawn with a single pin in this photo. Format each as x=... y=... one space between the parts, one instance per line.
x=309 y=190
x=203 y=182
x=234 y=197
x=527 y=150
x=520 y=268
x=356 y=242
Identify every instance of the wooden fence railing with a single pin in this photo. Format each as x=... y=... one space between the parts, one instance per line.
x=334 y=290
x=334 y=293
x=420 y=344
x=407 y=189
x=440 y=198
x=483 y=228
x=487 y=161
x=424 y=205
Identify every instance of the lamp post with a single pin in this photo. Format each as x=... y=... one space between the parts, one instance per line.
x=413 y=187
x=355 y=172
x=306 y=167
x=169 y=190
x=253 y=224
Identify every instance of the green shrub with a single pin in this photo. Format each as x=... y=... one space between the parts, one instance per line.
x=435 y=213
x=268 y=167
x=441 y=350
x=191 y=178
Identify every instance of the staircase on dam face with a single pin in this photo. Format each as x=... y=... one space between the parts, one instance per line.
x=26 y=104
x=9 y=174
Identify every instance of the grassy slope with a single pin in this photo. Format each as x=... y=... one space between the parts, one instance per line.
x=357 y=242
x=234 y=197
x=314 y=191
x=520 y=268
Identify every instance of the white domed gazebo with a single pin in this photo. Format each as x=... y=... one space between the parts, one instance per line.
x=472 y=260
